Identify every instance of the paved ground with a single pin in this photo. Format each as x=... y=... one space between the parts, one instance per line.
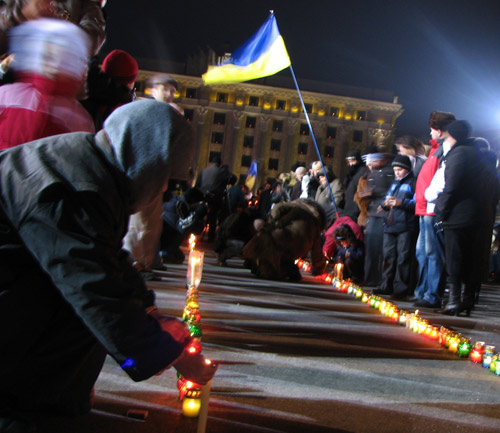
x=299 y=357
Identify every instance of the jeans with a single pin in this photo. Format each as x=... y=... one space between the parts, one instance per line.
x=431 y=264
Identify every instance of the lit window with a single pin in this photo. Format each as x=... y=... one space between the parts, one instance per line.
x=217 y=137
x=246 y=160
x=302 y=149
x=331 y=132
x=191 y=93
x=248 y=141
x=280 y=104
x=250 y=122
x=253 y=101
x=221 y=97
x=361 y=115
x=275 y=144
x=334 y=112
x=219 y=118
x=329 y=151
x=273 y=164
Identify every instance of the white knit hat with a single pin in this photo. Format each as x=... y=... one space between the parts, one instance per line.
x=49 y=47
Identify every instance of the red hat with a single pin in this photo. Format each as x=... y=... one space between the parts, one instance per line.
x=121 y=66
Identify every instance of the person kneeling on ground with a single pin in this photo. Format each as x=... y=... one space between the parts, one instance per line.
x=292 y=231
x=68 y=292
x=351 y=252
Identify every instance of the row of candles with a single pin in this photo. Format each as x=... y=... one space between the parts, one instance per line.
x=190 y=392
x=479 y=352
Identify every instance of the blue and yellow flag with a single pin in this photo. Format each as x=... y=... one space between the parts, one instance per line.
x=262 y=55
x=251 y=176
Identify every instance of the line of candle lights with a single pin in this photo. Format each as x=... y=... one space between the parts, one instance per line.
x=190 y=392
x=454 y=342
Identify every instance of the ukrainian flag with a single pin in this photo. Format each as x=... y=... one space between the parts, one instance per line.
x=262 y=55
x=252 y=174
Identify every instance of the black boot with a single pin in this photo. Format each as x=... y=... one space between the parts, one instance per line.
x=469 y=299
x=452 y=307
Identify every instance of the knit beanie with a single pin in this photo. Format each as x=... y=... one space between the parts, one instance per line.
x=459 y=129
x=142 y=134
x=355 y=155
x=121 y=66
x=49 y=47
x=402 y=161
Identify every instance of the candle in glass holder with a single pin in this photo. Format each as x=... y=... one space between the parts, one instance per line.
x=195 y=268
x=339 y=271
x=494 y=362
x=365 y=298
x=464 y=347
x=476 y=354
x=454 y=343
x=402 y=317
x=489 y=351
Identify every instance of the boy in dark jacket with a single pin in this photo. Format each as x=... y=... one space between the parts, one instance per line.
x=399 y=229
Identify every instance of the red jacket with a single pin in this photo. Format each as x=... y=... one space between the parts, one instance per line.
x=36 y=107
x=424 y=179
x=330 y=245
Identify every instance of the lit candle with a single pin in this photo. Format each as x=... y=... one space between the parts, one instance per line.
x=434 y=334
x=191 y=407
x=453 y=343
x=488 y=355
x=476 y=354
x=195 y=268
x=339 y=271
x=365 y=298
x=464 y=347
x=493 y=364
x=402 y=317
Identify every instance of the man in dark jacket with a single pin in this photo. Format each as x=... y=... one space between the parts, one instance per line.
x=357 y=168
x=379 y=180
x=459 y=208
x=68 y=293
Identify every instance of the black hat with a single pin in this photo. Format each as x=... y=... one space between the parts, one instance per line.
x=459 y=130
x=354 y=154
x=402 y=161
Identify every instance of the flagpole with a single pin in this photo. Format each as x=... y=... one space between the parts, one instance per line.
x=314 y=141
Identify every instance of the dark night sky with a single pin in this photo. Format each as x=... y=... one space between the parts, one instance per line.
x=434 y=54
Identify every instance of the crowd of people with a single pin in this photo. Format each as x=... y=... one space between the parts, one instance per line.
x=411 y=224
x=87 y=216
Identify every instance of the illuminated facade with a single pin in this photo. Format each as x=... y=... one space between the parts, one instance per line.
x=265 y=122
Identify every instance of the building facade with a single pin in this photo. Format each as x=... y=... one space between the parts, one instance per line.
x=266 y=122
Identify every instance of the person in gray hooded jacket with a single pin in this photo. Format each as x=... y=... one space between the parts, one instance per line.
x=68 y=293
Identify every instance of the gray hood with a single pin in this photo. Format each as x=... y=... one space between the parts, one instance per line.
x=142 y=135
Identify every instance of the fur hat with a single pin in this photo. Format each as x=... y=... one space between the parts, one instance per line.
x=402 y=161
x=121 y=66
x=459 y=130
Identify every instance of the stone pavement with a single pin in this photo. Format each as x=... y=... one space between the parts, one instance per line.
x=299 y=357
